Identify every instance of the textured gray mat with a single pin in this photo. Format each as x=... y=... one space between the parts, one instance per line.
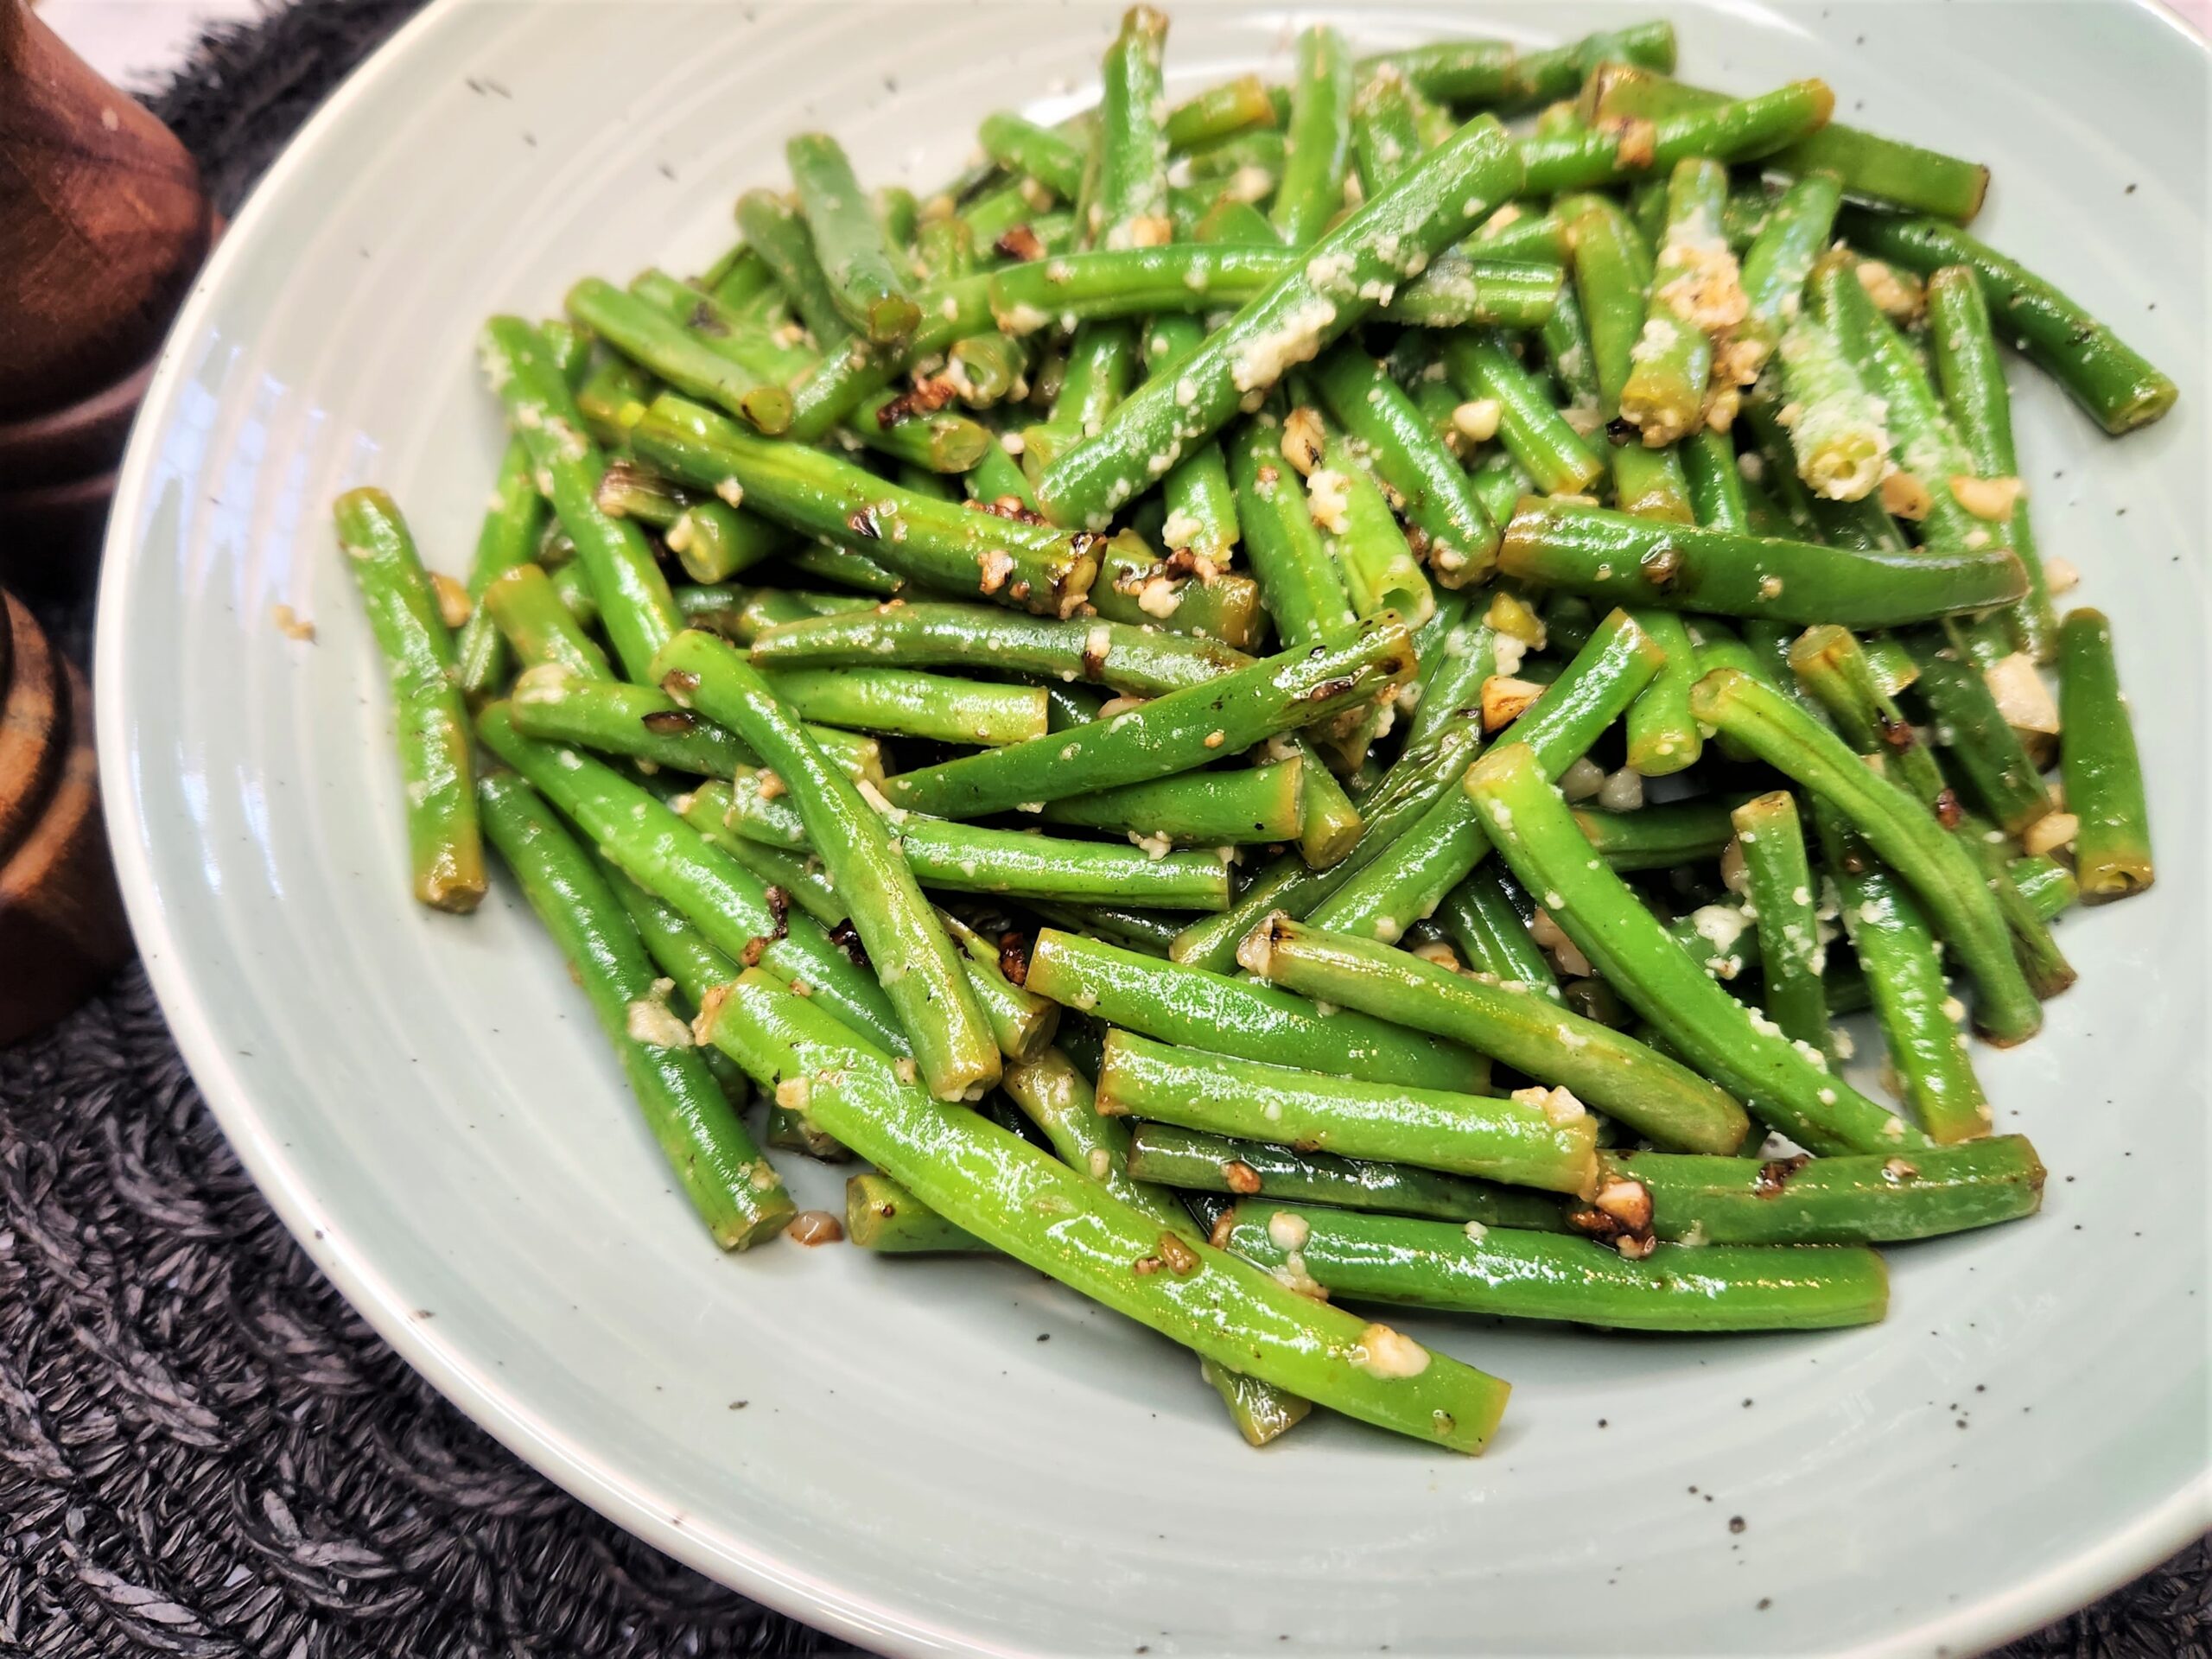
x=203 y=1450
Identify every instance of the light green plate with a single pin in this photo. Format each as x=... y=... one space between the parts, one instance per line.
x=891 y=1449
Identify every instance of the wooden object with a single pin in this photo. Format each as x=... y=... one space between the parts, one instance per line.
x=102 y=224
x=61 y=925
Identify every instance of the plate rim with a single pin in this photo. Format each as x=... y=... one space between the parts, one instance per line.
x=499 y=1411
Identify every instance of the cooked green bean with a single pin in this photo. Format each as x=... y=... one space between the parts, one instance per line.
x=1196 y=1161
x=2104 y=778
x=445 y=846
x=1519 y=1274
x=1172 y=733
x=1174 y=1003
x=1626 y=559
x=1225 y=806
x=1781 y=897
x=1548 y=1146
x=1869 y=1199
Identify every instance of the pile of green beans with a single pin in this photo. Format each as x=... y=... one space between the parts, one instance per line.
x=1023 y=684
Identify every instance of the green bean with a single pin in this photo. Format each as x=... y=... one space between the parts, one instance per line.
x=2104 y=778
x=1872 y=1199
x=1587 y=158
x=1020 y=146
x=1868 y=166
x=527 y=610
x=1841 y=676
x=1458 y=650
x=1788 y=1086
x=1941 y=875
x=1380 y=571
x=957 y=1056
x=732 y=1187
x=1427 y=210
x=2047 y=887
x=1221 y=807
x=445 y=845
x=1520 y=1274
x=1987 y=752
x=1022 y=1023
x=1402 y=883
x=1171 y=734
x=908 y=703
x=753 y=346
x=1141 y=662
x=1317 y=139
x=941 y=442
x=1195 y=1161
x=854 y=371
x=1455 y=535
x=936 y=543
x=1136 y=587
x=551 y=703
x=1497 y=73
x=2116 y=386
x=1385 y=138
x=1655 y=1095
x=1019 y=1198
x=1657 y=837
x=1898 y=954
x=1797 y=226
x=1484 y=922
x=674 y=354
x=1522 y=230
x=682 y=953
x=1835 y=424
x=1194 y=278
x=1199 y=502
x=1624 y=559
x=513 y=521
x=772 y=227
x=1175 y=1003
x=1781 y=897
x=1661 y=736
x=1965 y=351
x=634 y=603
x=662 y=854
x=1513 y=1141
x=1227 y=106
x=864 y=278
x=1538 y=436
x=884 y=1216
x=1693 y=287
x=610 y=399
x=1301 y=584
x=961 y=858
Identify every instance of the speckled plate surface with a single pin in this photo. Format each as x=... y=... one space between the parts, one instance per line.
x=959 y=1457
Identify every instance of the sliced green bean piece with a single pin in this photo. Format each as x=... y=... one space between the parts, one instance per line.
x=1174 y=1003
x=1870 y=1200
x=1317 y=139
x=1549 y=1147
x=1624 y=559
x=1195 y=1161
x=864 y=281
x=1482 y=918
x=1783 y=897
x=1172 y=733
x=2104 y=778
x=445 y=845
x=1520 y=1274
x=1220 y=807
x=884 y=1216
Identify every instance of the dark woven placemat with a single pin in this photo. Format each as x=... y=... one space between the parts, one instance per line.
x=203 y=1450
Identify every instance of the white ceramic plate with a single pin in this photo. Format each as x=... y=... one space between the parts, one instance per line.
x=961 y=1457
